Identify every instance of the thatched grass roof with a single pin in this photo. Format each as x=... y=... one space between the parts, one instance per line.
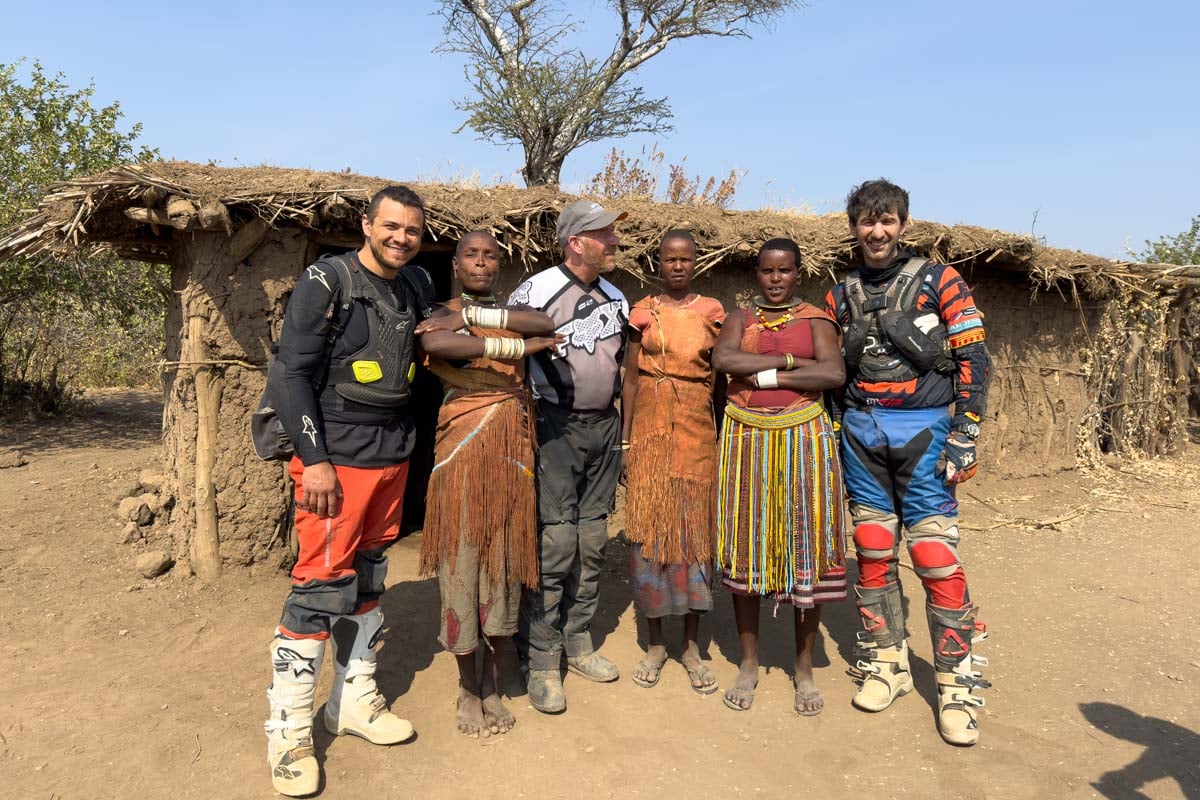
x=136 y=211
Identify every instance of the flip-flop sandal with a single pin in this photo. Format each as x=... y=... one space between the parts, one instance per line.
x=648 y=683
x=805 y=697
x=743 y=692
x=698 y=674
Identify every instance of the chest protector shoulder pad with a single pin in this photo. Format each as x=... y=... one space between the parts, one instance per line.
x=887 y=339
x=380 y=372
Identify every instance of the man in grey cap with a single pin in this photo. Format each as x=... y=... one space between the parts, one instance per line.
x=579 y=457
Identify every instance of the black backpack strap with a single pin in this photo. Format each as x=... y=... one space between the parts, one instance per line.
x=855 y=296
x=420 y=282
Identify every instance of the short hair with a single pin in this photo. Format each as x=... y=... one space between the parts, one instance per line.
x=477 y=232
x=398 y=194
x=873 y=198
x=783 y=244
x=677 y=233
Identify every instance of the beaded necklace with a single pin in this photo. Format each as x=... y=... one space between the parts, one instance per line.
x=761 y=306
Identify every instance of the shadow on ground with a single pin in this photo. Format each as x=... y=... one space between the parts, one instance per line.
x=412 y=616
x=114 y=420
x=1171 y=752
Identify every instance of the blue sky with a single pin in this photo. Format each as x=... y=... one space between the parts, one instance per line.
x=1083 y=114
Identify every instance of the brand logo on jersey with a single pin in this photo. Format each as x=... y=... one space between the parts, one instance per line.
x=520 y=295
x=884 y=402
x=594 y=322
x=315 y=273
x=309 y=430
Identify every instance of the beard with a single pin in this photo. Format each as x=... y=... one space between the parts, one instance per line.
x=602 y=263
x=383 y=257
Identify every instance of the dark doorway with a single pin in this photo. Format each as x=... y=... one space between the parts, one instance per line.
x=426 y=396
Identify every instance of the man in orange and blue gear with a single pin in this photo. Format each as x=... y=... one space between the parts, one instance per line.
x=346 y=354
x=917 y=371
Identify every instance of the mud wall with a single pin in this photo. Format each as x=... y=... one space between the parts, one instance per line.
x=1039 y=392
x=244 y=302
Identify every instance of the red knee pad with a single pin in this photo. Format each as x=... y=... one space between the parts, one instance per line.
x=931 y=555
x=870 y=536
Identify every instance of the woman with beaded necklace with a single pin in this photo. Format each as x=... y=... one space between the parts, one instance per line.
x=779 y=488
x=670 y=439
x=480 y=533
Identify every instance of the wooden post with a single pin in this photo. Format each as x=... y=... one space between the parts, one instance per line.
x=205 y=544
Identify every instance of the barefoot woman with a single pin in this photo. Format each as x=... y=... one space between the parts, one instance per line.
x=667 y=411
x=780 y=497
x=481 y=523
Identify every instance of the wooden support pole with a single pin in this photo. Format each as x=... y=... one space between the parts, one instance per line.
x=247 y=239
x=214 y=216
x=183 y=218
x=205 y=544
x=152 y=216
x=182 y=213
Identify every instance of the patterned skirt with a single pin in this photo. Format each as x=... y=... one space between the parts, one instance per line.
x=669 y=590
x=781 y=506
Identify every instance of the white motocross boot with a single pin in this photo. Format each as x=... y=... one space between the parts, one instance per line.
x=296 y=662
x=881 y=671
x=955 y=632
x=355 y=704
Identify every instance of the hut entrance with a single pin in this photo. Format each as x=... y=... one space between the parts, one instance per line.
x=426 y=397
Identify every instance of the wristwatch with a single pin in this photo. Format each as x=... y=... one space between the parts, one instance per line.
x=968 y=429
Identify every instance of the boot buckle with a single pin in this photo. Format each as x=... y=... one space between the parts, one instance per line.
x=975 y=682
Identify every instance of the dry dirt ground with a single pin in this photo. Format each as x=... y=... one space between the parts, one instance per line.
x=118 y=687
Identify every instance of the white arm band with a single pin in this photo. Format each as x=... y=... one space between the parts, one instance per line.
x=503 y=348
x=481 y=317
x=767 y=379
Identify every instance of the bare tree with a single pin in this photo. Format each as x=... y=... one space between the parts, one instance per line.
x=532 y=88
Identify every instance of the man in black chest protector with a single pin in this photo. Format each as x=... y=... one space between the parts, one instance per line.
x=347 y=355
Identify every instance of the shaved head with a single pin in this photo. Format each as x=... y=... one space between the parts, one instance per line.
x=462 y=243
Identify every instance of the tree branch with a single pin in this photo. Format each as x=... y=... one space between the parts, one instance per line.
x=534 y=89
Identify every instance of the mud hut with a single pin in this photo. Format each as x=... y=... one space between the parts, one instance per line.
x=1090 y=354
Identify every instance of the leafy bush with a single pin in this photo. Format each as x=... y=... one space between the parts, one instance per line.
x=64 y=323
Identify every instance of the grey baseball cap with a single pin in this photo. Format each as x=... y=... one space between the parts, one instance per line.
x=584 y=215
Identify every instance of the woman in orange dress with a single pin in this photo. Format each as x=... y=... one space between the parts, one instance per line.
x=780 y=531
x=671 y=461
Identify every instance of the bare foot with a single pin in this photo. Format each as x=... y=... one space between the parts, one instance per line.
x=498 y=718
x=649 y=669
x=470 y=715
x=740 y=696
x=702 y=678
x=808 y=698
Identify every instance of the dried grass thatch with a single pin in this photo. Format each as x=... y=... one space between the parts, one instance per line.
x=136 y=210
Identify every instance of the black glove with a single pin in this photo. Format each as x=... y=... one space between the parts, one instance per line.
x=958 y=461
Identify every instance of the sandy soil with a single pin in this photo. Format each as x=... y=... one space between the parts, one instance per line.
x=115 y=686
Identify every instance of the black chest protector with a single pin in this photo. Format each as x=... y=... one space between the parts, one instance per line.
x=888 y=339
x=380 y=372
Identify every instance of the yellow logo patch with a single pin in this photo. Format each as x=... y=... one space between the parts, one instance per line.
x=367 y=371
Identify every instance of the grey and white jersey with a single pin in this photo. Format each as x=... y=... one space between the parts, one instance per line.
x=583 y=373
